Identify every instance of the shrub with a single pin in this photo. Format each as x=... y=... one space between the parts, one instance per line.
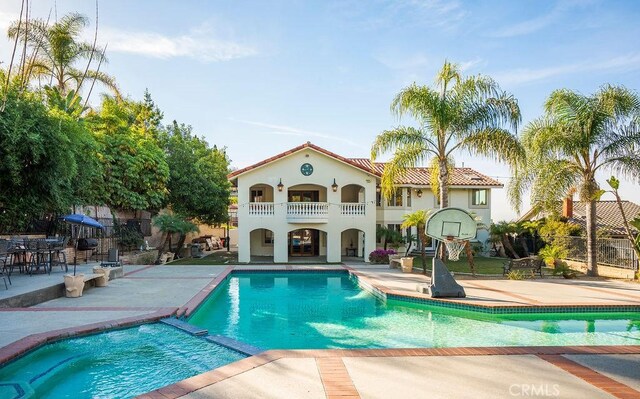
x=380 y=256
x=563 y=269
x=147 y=258
x=515 y=275
x=552 y=253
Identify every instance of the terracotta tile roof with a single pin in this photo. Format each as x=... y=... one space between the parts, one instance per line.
x=420 y=176
x=608 y=215
x=415 y=176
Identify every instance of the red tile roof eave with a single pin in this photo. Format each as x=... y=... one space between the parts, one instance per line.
x=233 y=175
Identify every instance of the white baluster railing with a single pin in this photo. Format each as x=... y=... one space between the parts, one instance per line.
x=307 y=210
x=261 y=208
x=352 y=209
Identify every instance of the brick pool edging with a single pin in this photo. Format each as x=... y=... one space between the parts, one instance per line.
x=551 y=354
x=385 y=293
x=33 y=341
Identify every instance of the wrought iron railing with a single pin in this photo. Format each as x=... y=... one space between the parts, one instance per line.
x=617 y=252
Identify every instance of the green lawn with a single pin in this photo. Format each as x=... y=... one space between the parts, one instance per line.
x=216 y=258
x=491 y=265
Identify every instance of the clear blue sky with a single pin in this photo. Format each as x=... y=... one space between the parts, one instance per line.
x=259 y=77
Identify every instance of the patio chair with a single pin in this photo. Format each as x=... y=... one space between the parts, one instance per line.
x=113 y=259
x=5 y=257
x=59 y=256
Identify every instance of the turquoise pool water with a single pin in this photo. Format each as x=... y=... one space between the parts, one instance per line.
x=328 y=310
x=116 y=364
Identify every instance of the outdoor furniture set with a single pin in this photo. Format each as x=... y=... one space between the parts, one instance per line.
x=31 y=255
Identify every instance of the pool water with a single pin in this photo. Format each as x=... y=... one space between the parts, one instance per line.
x=116 y=364
x=328 y=310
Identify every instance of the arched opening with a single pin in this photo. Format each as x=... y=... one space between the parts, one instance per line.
x=261 y=192
x=307 y=243
x=261 y=245
x=352 y=193
x=352 y=244
x=307 y=193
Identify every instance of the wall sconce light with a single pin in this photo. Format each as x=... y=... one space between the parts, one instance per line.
x=280 y=185
x=419 y=193
x=334 y=186
x=377 y=188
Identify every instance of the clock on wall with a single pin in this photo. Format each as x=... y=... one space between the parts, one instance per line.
x=306 y=169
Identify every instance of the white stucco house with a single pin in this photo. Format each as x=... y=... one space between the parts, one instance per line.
x=309 y=201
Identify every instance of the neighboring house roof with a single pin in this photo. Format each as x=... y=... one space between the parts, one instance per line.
x=415 y=176
x=608 y=216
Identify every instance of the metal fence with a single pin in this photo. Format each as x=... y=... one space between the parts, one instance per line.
x=616 y=252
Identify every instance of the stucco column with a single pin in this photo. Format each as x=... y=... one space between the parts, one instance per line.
x=369 y=242
x=280 y=246
x=244 y=245
x=334 y=252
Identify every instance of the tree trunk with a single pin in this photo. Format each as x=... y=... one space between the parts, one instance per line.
x=163 y=247
x=443 y=180
x=523 y=242
x=592 y=258
x=506 y=244
x=467 y=248
x=423 y=250
x=180 y=244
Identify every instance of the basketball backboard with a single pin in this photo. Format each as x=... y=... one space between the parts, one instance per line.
x=451 y=222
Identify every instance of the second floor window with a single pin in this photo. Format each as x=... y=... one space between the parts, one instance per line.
x=479 y=197
x=396 y=198
x=408 y=196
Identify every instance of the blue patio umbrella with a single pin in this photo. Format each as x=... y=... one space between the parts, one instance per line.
x=81 y=220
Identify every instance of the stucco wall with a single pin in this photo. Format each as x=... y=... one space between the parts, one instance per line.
x=603 y=270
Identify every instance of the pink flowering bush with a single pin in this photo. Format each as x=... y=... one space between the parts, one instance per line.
x=381 y=255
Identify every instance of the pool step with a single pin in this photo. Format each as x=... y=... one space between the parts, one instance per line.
x=184 y=326
x=234 y=344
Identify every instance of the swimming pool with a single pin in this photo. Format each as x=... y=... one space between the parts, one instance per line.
x=115 y=364
x=328 y=310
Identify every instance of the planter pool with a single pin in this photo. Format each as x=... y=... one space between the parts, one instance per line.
x=328 y=310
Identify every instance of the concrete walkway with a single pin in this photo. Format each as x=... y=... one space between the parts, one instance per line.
x=590 y=372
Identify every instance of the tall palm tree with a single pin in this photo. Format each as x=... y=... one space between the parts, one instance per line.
x=459 y=113
x=418 y=219
x=57 y=53
x=577 y=137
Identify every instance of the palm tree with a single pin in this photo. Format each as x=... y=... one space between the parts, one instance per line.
x=418 y=219
x=577 y=137
x=170 y=224
x=57 y=51
x=459 y=113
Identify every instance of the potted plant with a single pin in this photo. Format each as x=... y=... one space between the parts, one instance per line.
x=407 y=264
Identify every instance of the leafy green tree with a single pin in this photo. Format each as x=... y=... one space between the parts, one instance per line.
x=459 y=113
x=501 y=232
x=38 y=168
x=58 y=53
x=135 y=169
x=198 y=185
x=578 y=136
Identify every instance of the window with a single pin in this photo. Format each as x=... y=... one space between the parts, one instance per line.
x=396 y=198
x=479 y=197
x=256 y=196
x=378 y=238
x=378 y=198
x=268 y=237
x=408 y=197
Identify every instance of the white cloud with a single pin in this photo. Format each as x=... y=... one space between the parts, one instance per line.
x=198 y=44
x=542 y=21
x=627 y=62
x=283 y=130
x=467 y=65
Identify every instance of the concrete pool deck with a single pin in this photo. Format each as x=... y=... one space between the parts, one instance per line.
x=149 y=293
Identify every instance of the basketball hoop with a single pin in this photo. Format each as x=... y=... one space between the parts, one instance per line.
x=454 y=247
